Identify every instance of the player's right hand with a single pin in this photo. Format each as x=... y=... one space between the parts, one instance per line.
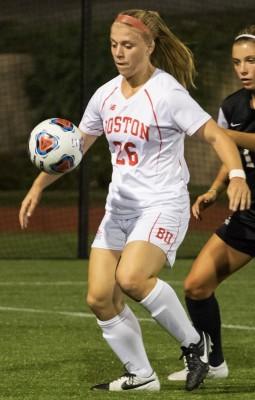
x=28 y=206
x=202 y=202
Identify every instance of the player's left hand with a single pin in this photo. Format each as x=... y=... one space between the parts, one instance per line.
x=239 y=194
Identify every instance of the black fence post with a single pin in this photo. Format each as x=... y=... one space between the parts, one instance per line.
x=83 y=224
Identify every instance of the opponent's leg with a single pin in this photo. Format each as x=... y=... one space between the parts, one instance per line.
x=215 y=263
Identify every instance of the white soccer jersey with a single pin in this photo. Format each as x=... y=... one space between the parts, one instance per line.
x=146 y=135
x=222 y=119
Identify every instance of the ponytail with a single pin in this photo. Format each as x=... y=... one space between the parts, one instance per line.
x=170 y=53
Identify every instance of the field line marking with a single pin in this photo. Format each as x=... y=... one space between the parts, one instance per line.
x=241 y=327
x=89 y=315
x=40 y=311
x=43 y=283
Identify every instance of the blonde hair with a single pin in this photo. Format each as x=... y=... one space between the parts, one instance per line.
x=170 y=53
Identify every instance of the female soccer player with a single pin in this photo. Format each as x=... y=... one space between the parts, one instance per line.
x=145 y=113
x=233 y=244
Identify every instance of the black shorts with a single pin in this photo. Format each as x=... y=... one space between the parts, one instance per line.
x=238 y=231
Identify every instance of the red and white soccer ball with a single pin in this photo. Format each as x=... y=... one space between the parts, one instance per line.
x=55 y=146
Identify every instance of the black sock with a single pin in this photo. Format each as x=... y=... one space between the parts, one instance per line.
x=205 y=315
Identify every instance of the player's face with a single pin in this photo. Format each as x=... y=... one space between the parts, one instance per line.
x=131 y=54
x=243 y=56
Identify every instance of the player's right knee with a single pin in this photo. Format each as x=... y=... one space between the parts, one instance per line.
x=96 y=303
x=103 y=306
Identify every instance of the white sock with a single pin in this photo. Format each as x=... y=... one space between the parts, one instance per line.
x=165 y=307
x=124 y=336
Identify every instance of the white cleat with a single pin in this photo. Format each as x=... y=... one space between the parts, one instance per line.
x=214 y=373
x=130 y=382
x=221 y=371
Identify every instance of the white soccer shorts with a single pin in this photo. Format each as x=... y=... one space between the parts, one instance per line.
x=163 y=228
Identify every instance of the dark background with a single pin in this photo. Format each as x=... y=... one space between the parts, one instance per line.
x=53 y=56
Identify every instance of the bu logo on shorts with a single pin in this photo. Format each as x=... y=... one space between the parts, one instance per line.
x=164 y=235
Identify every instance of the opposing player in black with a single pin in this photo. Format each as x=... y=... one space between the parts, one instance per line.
x=233 y=244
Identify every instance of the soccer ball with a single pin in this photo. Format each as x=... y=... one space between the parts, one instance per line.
x=55 y=146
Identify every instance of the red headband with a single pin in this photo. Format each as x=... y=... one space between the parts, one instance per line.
x=135 y=22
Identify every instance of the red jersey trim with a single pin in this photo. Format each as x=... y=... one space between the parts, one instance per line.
x=156 y=121
x=177 y=233
x=108 y=98
x=156 y=220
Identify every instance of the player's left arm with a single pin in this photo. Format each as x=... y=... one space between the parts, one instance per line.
x=238 y=190
x=242 y=139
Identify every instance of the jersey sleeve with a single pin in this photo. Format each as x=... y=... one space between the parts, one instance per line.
x=91 y=122
x=186 y=112
x=222 y=121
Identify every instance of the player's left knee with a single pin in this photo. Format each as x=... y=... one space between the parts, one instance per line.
x=198 y=293
x=197 y=290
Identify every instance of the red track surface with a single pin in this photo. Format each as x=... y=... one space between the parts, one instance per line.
x=65 y=219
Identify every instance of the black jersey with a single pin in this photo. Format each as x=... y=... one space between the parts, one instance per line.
x=238 y=231
x=236 y=114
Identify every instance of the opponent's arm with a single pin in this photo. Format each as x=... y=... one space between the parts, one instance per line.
x=208 y=198
x=42 y=181
x=242 y=139
x=238 y=191
x=220 y=182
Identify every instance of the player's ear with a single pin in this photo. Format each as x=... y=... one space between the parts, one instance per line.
x=151 y=47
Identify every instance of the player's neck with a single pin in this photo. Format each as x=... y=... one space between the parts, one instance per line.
x=132 y=84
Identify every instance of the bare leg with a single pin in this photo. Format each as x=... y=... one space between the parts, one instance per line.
x=104 y=296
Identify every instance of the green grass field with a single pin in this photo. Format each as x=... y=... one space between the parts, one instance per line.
x=64 y=245
x=51 y=347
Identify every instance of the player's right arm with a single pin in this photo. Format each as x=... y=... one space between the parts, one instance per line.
x=208 y=198
x=42 y=181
